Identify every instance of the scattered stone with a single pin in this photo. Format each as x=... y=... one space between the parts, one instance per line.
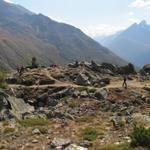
x=59 y=142
x=35 y=141
x=36 y=131
x=86 y=144
x=84 y=94
x=75 y=147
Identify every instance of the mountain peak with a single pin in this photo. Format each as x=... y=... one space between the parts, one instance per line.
x=143 y=24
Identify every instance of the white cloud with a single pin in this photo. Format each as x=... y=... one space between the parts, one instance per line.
x=131 y=13
x=140 y=4
x=9 y=1
x=101 y=29
x=134 y=20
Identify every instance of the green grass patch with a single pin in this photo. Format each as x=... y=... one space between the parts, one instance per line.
x=85 y=119
x=8 y=130
x=72 y=104
x=3 y=85
x=125 y=146
x=89 y=134
x=34 y=122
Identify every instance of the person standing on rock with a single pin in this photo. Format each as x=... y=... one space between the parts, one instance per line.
x=124 y=82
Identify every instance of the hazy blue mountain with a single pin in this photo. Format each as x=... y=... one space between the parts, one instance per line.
x=132 y=44
x=24 y=34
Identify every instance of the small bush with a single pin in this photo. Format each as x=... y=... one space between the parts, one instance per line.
x=28 y=81
x=140 y=137
x=89 y=134
x=8 y=130
x=124 y=146
x=34 y=122
x=2 y=80
x=72 y=104
x=85 y=119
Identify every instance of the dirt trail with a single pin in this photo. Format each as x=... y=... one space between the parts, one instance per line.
x=133 y=83
x=113 y=84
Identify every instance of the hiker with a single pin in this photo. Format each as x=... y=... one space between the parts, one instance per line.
x=124 y=82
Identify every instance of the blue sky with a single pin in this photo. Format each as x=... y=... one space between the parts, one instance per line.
x=95 y=17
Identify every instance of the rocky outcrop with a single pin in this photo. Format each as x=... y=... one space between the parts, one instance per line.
x=82 y=79
x=145 y=70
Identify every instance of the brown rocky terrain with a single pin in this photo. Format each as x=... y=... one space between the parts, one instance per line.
x=79 y=106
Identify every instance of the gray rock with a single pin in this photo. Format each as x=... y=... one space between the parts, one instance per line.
x=84 y=94
x=82 y=79
x=42 y=98
x=19 y=107
x=146 y=68
x=101 y=94
x=52 y=102
x=75 y=147
x=62 y=93
x=95 y=66
x=104 y=81
x=36 y=131
x=11 y=80
x=76 y=93
x=35 y=141
x=86 y=144
x=59 y=142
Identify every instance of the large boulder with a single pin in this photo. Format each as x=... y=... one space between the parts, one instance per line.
x=101 y=94
x=4 y=106
x=82 y=79
x=19 y=107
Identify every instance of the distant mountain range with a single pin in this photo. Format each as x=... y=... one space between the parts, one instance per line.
x=132 y=44
x=24 y=34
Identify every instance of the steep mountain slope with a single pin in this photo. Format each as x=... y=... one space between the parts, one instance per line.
x=24 y=34
x=133 y=44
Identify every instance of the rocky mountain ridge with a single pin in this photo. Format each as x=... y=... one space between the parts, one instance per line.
x=131 y=44
x=25 y=35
